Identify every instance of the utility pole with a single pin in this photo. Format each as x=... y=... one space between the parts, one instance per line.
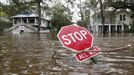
x=39 y=15
x=102 y=16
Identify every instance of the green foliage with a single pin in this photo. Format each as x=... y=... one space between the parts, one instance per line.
x=83 y=8
x=4 y=25
x=15 y=7
x=60 y=17
x=121 y=4
x=2 y=14
x=19 y=6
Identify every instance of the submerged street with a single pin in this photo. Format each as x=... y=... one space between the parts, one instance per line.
x=29 y=54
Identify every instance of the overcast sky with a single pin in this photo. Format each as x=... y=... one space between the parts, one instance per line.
x=4 y=1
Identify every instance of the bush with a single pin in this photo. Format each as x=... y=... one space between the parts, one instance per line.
x=4 y=25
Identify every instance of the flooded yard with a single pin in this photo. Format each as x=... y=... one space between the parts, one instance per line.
x=29 y=54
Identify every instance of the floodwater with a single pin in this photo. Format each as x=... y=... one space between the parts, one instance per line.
x=30 y=54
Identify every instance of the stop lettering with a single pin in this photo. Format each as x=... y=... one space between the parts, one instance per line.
x=75 y=37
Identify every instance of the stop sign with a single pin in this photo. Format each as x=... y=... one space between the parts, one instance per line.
x=75 y=37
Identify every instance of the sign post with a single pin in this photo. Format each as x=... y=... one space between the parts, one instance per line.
x=78 y=39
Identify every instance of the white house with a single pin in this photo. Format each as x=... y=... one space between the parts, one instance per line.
x=27 y=22
x=117 y=21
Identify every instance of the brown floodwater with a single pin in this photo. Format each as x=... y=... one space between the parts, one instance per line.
x=30 y=54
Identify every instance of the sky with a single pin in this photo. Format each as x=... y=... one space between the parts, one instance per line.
x=4 y=1
x=75 y=17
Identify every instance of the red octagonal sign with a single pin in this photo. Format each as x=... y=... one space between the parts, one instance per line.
x=75 y=37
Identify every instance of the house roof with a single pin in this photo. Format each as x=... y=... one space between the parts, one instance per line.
x=25 y=14
x=28 y=14
x=116 y=12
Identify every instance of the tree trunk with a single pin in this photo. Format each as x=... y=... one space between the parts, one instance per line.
x=39 y=16
x=82 y=15
x=102 y=17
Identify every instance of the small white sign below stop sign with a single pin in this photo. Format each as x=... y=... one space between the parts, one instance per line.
x=75 y=37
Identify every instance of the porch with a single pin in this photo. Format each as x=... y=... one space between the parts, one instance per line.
x=26 y=20
x=109 y=28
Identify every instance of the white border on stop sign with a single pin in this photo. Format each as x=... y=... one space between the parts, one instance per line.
x=71 y=48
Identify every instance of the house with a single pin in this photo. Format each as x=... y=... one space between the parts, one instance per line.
x=27 y=22
x=117 y=21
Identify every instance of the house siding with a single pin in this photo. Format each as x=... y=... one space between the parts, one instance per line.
x=112 y=21
x=127 y=16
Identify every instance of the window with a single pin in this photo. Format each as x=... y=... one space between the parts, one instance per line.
x=122 y=17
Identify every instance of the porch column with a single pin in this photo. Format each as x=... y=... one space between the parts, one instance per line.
x=116 y=27
x=122 y=28
x=13 y=21
x=21 y=20
x=129 y=27
x=35 y=21
x=109 y=28
x=27 y=21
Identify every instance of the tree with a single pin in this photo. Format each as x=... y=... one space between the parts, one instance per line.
x=20 y=6
x=123 y=4
x=83 y=9
x=102 y=16
x=39 y=14
x=60 y=17
x=15 y=7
